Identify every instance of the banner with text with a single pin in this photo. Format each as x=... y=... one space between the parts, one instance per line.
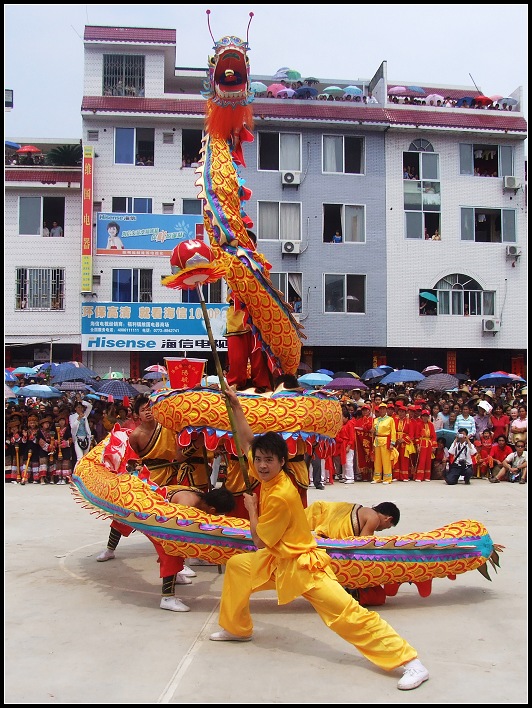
x=121 y=326
x=145 y=234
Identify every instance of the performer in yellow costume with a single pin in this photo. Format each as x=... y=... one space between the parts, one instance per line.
x=345 y=520
x=384 y=440
x=289 y=561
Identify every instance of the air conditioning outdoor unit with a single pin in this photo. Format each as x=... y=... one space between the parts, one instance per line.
x=491 y=325
x=291 y=246
x=514 y=251
x=290 y=178
x=512 y=183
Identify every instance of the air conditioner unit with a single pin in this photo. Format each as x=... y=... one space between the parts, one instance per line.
x=491 y=325
x=513 y=251
x=512 y=183
x=290 y=178
x=291 y=247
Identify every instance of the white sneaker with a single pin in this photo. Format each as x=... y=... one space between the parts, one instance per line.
x=106 y=555
x=225 y=636
x=349 y=481
x=413 y=676
x=174 y=604
x=188 y=572
x=386 y=482
x=181 y=579
x=374 y=482
x=417 y=480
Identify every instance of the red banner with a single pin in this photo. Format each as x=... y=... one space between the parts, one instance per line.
x=451 y=362
x=185 y=372
x=86 y=228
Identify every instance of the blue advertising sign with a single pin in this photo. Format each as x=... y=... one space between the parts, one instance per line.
x=121 y=326
x=145 y=234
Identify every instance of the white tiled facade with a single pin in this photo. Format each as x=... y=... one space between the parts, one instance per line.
x=396 y=268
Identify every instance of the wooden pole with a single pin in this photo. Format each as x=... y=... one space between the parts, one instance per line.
x=223 y=386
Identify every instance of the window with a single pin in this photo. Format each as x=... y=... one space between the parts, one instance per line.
x=40 y=289
x=212 y=292
x=132 y=205
x=93 y=136
x=345 y=293
x=134 y=146
x=192 y=206
x=349 y=220
x=191 y=147
x=342 y=153
x=421 y=192
x=123 y=75
x=280 y=151
x=279 y=221
x=168 y=208
x=35 y=212
x=132 y=285
x=458 y=294
x=291 y=286
x=488 y=225
x=486 y=160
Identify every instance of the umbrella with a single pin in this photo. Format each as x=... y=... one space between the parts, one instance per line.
x=314 y=379
x=114 y=375
x=74 y=386
x=22 y=371
x=258 y=86
x=159 y=385
x=292 y=75
x=429 y=296
x=353 y=91
x=397 y=89
x=28 y=148
x=429 y=370
x=346 y=384
x=449 y=436
x=8 y=393
x=328 y=372
x=464 y=101
x=402 y=376
x=304 y=367
x=495 y=379
x=483 y=101
x=344 y=375
x=9 y=377
x=142 y=388
x=416 y=89
x=281 y=73
x=387 y=369
x=496 y=97
x=306 y=92
x=373 y=375
x=434 y=97
x=275 y=88
x=286 y=93
x=15 y=146
x=40 y=391
x=72 y=371
x=509 y=101
x=311 y=80
x=438 y=382
x=462 y=377
x=117 y=389
x=154 y=376
x=333 y=91
x=157 y=367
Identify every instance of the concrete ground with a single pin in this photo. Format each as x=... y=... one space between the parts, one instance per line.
x=81 y=632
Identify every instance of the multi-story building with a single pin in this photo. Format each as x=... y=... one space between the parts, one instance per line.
x=429 y=202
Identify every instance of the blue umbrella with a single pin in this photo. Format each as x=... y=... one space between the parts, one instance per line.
x=12 y=145
x=22 y=370
x=495 y=379
x=373 y=375
x=327 y=372
x=306 y=92
x=429 y=296
x=353 y=91
x=402 y=376
x=10 y=377
x=449 y=435
x=416 y=89
x=153 y=375
x=72 y=371
x=387 y=369
x=117 y=389
x=39 y=391
x=314 y=379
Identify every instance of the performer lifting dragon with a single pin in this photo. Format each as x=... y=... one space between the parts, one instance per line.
x=307 y=420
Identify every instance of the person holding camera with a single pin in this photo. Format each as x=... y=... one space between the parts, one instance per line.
x=462 y=451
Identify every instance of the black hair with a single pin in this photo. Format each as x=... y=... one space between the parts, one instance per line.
x=443 y=440
x=271 y=442
x=113 y=223
x=252 y=236
x=288 y=380
x=139 y=402
x=463 y=430
x=221 y=499
x=502 y=436
x=389 y=509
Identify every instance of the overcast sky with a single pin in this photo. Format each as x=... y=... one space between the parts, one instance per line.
x=422 y=44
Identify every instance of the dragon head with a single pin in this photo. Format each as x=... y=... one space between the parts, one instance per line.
x=227 y=82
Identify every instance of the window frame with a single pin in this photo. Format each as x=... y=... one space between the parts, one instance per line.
x=285 y=161
x=139 y=287
x=470 y=217
x=54 y=291
x=282 y=220
x=50 y=209
x=360 y=157
x=131 y=151
x=349 y=285
x=122 y=77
